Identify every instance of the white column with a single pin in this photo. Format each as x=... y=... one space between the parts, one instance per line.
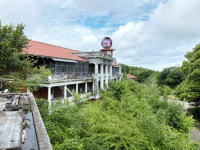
x=65 y=91
x=93 y=86
x=85 y=87
x=76 y=87
x=101 y=69
x=96 y=76
x=111 y=71
x=102 y=77
x=49 y=95
x=101 y=82
x=120 y=70
x=107 y=75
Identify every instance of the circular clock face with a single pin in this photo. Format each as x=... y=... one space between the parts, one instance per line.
x=106 y=42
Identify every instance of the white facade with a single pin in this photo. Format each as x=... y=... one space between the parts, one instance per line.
x=104 y=72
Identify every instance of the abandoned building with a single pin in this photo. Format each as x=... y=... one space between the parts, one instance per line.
x=72 y=70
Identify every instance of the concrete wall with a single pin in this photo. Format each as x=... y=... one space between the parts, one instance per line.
x=41 y=133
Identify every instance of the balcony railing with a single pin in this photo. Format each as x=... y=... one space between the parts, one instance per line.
x=117 y=74
x=68 y=76
x=88 y=54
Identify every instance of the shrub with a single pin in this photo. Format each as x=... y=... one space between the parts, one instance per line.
x=128 y=116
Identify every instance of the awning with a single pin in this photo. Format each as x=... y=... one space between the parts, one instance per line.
x=64 y=60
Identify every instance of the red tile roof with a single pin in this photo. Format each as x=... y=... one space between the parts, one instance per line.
x=42 y=49
x=115 y=64
x=131 y=76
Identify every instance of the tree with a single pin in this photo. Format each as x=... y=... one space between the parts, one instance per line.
x=191 y=69
x=13 y=64
x=141 y=73
x=129 y=116
x=171 y=77
x=12 y=43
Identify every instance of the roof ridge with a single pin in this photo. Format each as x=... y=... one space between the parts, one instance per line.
x=54 y=45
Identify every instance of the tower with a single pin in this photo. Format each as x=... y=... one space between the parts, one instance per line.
x=107 y=44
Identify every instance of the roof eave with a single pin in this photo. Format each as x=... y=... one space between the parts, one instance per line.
x=55 y=57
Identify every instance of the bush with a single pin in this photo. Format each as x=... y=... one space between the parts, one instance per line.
x=129 y=116
x=165 y=90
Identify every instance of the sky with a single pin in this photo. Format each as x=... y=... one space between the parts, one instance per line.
x=153 y=34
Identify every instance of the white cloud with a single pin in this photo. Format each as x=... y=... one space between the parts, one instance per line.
x=162 y=41
x=169 y=30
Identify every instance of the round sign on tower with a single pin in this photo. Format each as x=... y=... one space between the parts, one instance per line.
x=106 y=42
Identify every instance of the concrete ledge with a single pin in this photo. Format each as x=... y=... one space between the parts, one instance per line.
x=41 y=133
x=10 y=129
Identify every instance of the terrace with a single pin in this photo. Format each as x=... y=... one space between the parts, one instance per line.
x=94 y=54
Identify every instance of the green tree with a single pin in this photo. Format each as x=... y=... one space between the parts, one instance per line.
x=129 y=116
x=12 y=43
x=12 y=63
x=141 y=73
x=171 y=77
x=190 y=88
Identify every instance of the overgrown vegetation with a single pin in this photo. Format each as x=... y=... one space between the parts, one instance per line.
x=189 y=89
x=12 y=63
x=141 y=73
x=128 y=116
x=171 y=77
x=168 y=79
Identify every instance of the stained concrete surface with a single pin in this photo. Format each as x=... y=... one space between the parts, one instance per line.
x=31 y=139
x=3 y=102
x=10 y=129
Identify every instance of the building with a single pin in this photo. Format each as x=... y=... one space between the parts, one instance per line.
x=83 y=72
x=129 y=76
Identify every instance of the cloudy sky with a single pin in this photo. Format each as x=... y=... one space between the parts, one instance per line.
x=154 y=34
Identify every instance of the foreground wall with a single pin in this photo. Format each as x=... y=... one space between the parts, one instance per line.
x=41 y=133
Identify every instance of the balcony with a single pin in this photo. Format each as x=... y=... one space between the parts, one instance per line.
x=68 y=77
x=117 y=74
x=93 y=54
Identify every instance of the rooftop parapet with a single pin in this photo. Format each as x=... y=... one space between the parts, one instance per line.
x=21 y=126
x=94 y=54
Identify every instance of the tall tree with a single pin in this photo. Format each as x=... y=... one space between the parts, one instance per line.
x=141 y=73
x=13 y=64
x=191 y=68
x=171 y=77
x=12 y=43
